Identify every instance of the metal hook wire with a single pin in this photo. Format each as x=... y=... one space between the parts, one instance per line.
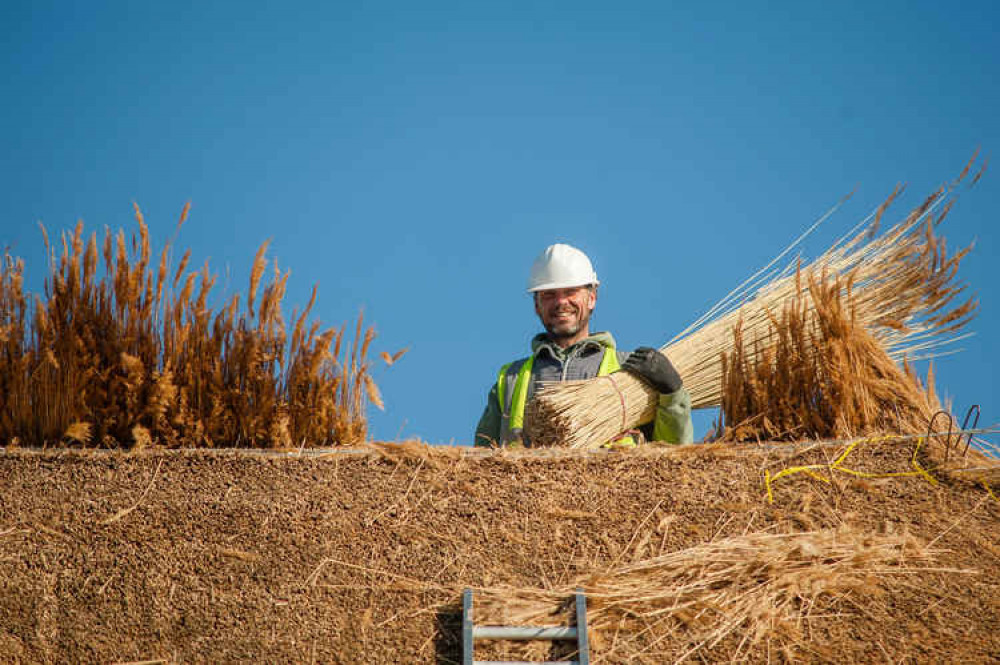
x=930 y=426
x=965 y=423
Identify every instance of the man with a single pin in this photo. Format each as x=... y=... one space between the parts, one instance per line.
x=564 y=287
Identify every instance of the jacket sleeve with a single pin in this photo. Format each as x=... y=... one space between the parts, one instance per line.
x=488 y=429
x=673 y=418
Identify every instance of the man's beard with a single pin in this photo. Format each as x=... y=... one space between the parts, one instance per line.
x=566 y=332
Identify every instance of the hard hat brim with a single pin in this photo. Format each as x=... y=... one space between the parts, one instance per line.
x=561 y=285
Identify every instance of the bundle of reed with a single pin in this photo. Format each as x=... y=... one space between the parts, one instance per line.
x=133 y=357
x=759 y=585
x=820 y=374
x=903 y=287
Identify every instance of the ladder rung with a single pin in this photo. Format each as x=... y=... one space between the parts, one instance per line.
x=525 y=662
x=524 y=633
x=471 y=632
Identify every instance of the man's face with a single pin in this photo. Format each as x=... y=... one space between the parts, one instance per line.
x=565 y=312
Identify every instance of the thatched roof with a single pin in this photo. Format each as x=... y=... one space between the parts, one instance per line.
x=360 y=558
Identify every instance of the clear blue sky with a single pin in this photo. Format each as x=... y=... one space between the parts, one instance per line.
x=413 y=158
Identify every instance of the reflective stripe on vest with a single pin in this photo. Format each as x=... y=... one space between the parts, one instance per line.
x=513 y=420
x=520 y=397
x=609 y=363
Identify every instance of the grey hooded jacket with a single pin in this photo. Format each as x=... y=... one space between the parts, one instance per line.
x=582 y=361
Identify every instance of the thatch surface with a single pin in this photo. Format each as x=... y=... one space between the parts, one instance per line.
x=221 y=557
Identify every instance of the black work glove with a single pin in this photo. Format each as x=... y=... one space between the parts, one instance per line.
x=653 y=367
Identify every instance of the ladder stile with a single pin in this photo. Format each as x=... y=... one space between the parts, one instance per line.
x=467 y=626
x=582 y=643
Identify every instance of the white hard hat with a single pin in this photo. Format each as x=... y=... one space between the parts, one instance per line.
x=561 y=267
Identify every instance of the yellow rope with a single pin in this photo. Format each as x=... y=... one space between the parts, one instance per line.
x=768 y=478
x=987 y=487
x=838 y=466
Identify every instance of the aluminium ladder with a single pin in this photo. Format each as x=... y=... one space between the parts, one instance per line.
x=471 y=632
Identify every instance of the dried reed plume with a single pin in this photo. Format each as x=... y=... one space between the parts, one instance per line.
x=904 y=290
x=815 y=373
x=134 y=357
x=746 y=588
